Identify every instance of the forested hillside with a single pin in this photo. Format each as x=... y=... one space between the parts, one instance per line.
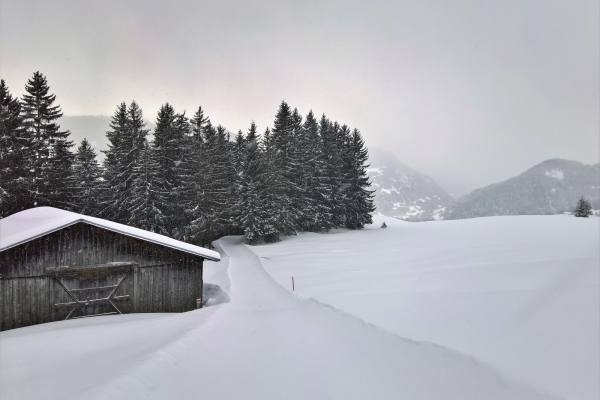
x=551 y=187
x=192 y=181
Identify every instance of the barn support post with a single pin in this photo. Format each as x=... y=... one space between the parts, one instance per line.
x=136 y=290
x=3 y=296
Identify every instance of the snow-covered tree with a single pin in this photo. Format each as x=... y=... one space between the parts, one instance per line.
x=170 y=155
x=52 y=158
x=316 y=215
x=271 y=197
x=16 y=157
x=147 y=197
x=583 y=209
x=257 y=219
x=195 y=179
x=359 y=200
x=238 y=159
x=86 y=180
x=192 y=182
x=215 y=208
x=282 y=157
x=126 y=141
x=329 y=133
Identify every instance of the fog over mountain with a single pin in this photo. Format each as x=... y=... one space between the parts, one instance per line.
x=551 y=187
x=402 y=192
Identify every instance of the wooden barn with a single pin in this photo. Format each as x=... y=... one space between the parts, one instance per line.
x=57 y=265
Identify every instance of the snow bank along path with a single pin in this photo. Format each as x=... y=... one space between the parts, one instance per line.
x=266 y=343
x=520 y=293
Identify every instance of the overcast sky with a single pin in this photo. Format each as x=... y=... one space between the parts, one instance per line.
x=468 y=92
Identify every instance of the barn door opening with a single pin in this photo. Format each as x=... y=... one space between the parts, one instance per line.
x=93 y=290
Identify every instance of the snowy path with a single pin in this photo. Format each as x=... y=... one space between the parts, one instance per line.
x=266 y=343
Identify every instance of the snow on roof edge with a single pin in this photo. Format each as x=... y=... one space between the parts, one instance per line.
x=64 y=219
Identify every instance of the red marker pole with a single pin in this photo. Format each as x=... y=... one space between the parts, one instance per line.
x=292 y=283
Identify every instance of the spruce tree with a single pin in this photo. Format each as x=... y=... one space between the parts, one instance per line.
x=271 y=197
x=186 y=171
x=318 y=217
x=583 y=209
x=329 y=133
x=359 y=200
x=168 y=146
x=297 y=174
x=115 y=172
x=126 y=140
x=86 y=180
x=347 y=158
x=52 y=158
x=282 y=157
x=215 y=217
x=146 y=211
x=257 y=218
x=195 y=180
x=16 y=157
x=238 y=159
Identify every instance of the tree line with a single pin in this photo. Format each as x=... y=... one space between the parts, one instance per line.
x=193 y=181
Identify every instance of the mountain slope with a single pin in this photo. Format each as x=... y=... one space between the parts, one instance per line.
x=402 y=192
x=551 y=187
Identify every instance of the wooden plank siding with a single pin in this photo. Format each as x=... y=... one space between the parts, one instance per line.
x=161 y=279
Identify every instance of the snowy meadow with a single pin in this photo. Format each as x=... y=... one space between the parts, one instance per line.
x=494 y=308
x=519 y=293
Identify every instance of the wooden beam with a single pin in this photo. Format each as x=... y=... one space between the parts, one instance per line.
x=111 y=267
x=84 y=303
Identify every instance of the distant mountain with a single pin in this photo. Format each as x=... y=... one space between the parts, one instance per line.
x=402 y=192
x=551 y=187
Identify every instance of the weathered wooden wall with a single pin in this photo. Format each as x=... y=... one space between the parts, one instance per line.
x=162 y=279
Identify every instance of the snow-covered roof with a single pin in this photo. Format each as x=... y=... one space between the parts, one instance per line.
x=31 y=224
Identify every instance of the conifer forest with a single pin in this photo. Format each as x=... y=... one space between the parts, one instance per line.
x=188 y=179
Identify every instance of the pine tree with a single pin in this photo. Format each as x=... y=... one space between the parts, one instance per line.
x=195 y=179
x=282 y=157
x=52 y=157
x=359 y=200
x=186 y=197
x=170 y=141
x=238 y=159
x=583 y=209
x=271 y=197
x=329 y=133
x=215 y=216
x=127 y=139
x=16 y=157
x=347 y=172
x=318 y=217
x=115 y=171
x=256 y=218
x=146 y=195
x=60 y=178
x=297 y=175
x=86 y=180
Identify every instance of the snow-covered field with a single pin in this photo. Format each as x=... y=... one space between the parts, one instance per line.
x=517 y=295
